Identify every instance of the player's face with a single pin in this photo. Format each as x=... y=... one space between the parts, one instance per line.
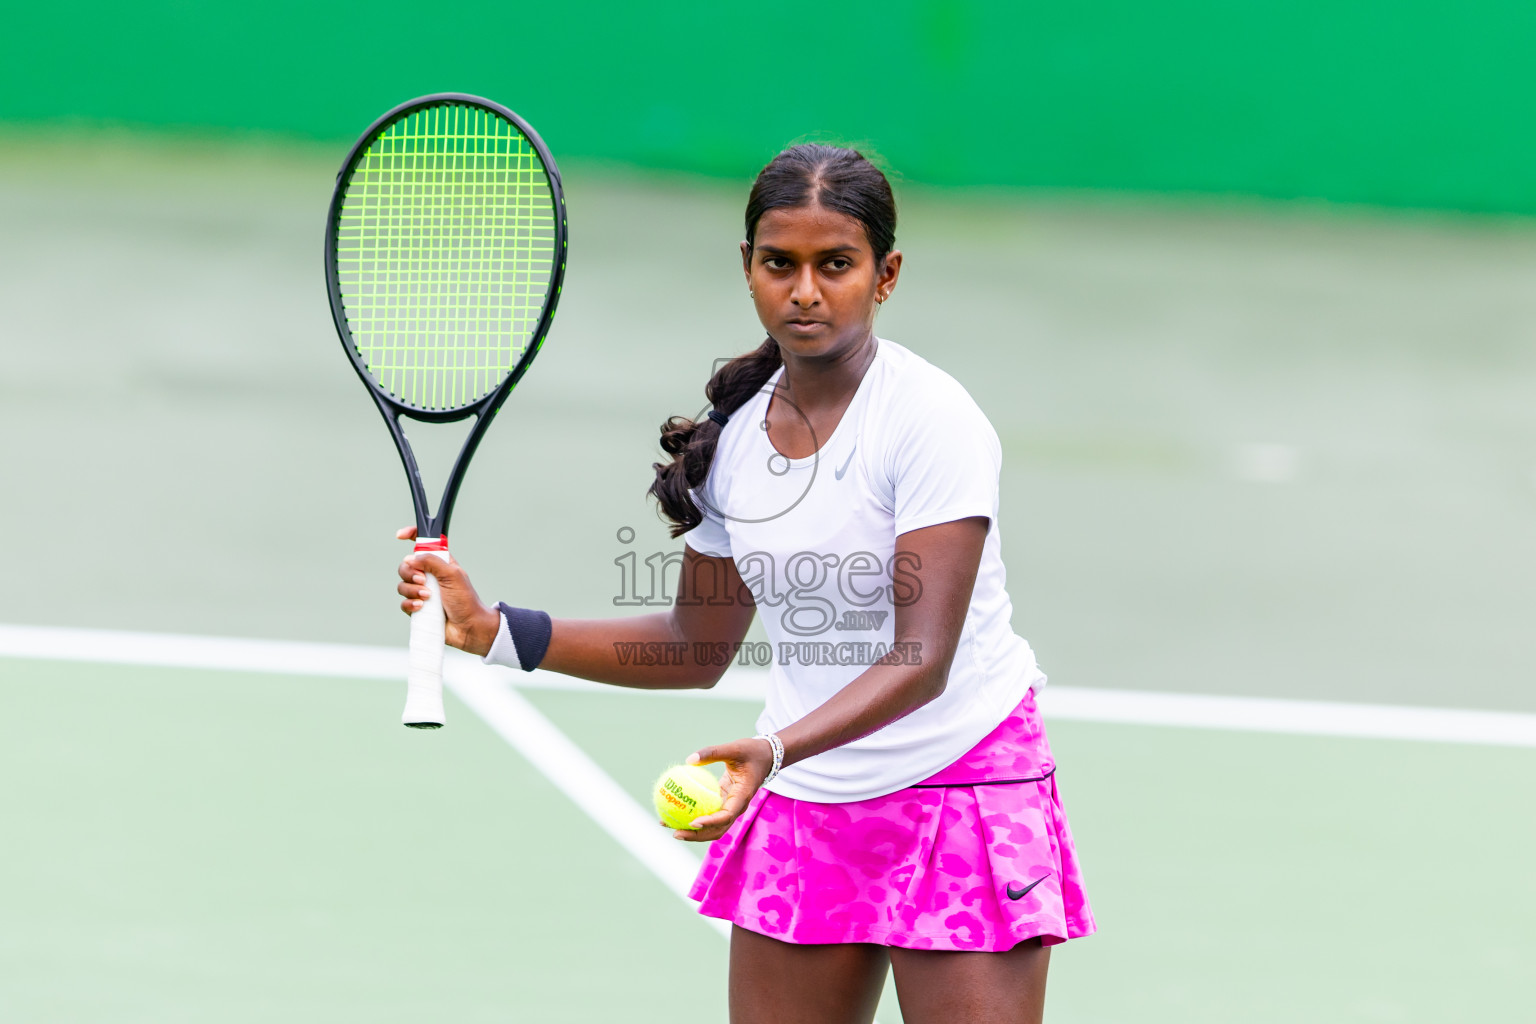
x=814 y=280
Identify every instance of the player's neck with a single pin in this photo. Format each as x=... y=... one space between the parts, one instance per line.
x=819 y=385
x=812 y=396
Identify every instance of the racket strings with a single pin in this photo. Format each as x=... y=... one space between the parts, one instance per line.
x=445 y=251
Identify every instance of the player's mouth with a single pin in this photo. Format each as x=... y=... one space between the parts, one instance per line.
x=800 y=325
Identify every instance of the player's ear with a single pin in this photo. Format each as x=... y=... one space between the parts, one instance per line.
x=746 y=260
x=890 y=270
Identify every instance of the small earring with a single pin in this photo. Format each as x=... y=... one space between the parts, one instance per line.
x=751 y=294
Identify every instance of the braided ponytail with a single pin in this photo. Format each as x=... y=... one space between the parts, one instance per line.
x=692 y=444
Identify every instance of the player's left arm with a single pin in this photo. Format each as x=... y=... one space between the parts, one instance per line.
x=929 y=616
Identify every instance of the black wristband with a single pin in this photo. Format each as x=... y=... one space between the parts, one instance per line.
x=530 y=631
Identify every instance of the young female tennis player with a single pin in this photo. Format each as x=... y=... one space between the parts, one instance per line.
x=899 y=808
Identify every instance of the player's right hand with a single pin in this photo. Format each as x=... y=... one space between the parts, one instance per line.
x=471 y=626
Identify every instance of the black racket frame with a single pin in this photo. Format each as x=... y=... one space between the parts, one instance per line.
x=484 y=410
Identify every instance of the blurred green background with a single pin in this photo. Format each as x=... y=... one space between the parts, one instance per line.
x=1407 y=103
x=1245 y=288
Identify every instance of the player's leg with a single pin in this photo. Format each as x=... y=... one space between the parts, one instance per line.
x=775 y=982
x=939 y=987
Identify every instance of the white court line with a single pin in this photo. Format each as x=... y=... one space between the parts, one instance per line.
x=1131 y=707
x=593 y=790
x=485 y=689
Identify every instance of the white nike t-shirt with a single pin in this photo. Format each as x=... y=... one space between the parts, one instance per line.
x=815 y=541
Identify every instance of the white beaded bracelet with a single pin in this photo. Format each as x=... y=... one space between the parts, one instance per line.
x=778 y=753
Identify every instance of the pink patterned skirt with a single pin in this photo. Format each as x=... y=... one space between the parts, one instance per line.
x=977 y=857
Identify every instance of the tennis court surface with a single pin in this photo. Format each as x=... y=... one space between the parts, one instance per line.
x=196 y=843
x=1252 y=454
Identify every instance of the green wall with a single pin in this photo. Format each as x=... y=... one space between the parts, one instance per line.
x=1397 y=102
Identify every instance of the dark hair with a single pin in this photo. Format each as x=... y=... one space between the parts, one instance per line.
x=838 y=179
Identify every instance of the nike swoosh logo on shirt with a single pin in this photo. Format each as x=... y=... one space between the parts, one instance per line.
x=1018 y=894
x=839 y=473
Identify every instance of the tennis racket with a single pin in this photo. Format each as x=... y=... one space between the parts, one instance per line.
x=444 y=253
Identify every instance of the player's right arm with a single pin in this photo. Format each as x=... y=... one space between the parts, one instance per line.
x=655 y=651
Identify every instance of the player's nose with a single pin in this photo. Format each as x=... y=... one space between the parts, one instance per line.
x=805 y=294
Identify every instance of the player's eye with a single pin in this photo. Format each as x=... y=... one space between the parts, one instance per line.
x=839 y=263
x=775 y=262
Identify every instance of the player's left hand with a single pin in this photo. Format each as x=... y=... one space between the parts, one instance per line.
x=747 y=763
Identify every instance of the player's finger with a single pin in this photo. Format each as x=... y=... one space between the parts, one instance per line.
x=422 y=564
x=406 y=533
x=413 y=586
x=701 y=835
x=724 y=816
x=733 y=753
x=413 y=592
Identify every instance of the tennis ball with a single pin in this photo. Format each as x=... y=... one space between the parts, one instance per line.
x=685 y=792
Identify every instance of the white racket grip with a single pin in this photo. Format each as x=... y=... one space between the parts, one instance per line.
x=424 y=677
